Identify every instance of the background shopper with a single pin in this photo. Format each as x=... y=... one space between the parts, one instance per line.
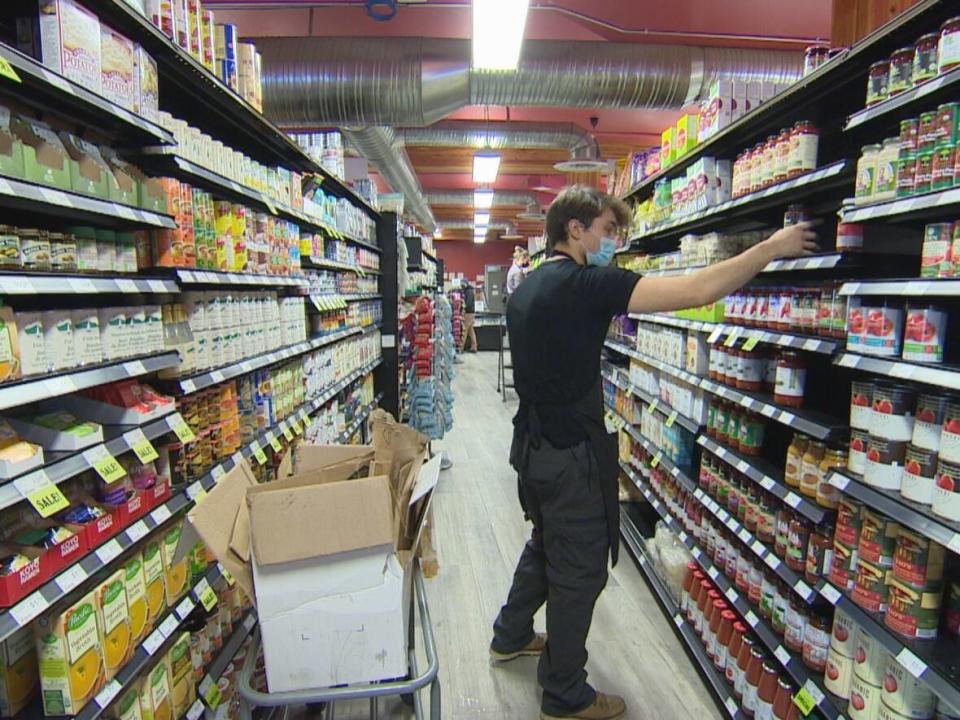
x=469 y=315
x=518 y=271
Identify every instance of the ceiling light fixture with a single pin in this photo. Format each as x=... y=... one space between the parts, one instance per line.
x=485 y=167
x=481 y=219
x=498 y=27
x=482 y=199
x=480 y=238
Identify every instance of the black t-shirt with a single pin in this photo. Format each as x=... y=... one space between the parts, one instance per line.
x=469 y=300
x=558 y=319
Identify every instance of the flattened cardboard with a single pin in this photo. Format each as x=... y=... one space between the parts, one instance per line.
x=313 y=521
x=337 y=462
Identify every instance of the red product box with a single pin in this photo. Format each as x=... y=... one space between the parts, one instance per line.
x=102 y=529
x=17 y=585
x=69 y=551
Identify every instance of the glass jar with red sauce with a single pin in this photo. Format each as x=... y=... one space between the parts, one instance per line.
x=791 y=379
x=766 y=518
x=785 y=318
x=783 y=705
x=781 y=603
x=751 y=369
x=797 y=546
x=744 y=568
x=733 y=651
x=696 y=587
x=782 y=538
x=796 y=624
x=767 y=692
x=725 y=634
x=816 y=640
x=747 y=645
x=752 y=683
x=819 y=552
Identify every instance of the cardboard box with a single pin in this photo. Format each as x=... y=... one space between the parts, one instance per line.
x=146 y=99
x=11 y=149
x=114 y=622
x=118 y=68
x=70 y=42
x=686 y=135
x=45 y=159
x=19 y=677
x=136 y=588
x=126 y=708
x=668 y=151
x=123 y=182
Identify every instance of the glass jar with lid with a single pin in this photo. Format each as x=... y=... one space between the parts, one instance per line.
x=949 y=45
x=813 y=57
x=810 y=468
x=793 y=467
x=805 y=139
x=35 y=249
x=901 y=70
x=769 y=161
x=885 y=177
x=828 y=496
x=866 y=172
x=925 y=58
x=878 y=78
x=752 y=431
x=819 y=551
x=782 y=156
x=791 y=379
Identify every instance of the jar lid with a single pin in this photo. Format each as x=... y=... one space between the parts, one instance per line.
x=932 y=37
x=871 y=147
x=880 y=64
x=901 y=51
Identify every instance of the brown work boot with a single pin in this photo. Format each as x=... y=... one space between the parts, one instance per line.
x=534 y=647
x=604 y=707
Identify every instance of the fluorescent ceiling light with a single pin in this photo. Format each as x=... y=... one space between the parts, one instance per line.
x=481 y=219
x=485 y=167
x=438 y=233
x=480 y=239
x=498 y=33
x=482 y=199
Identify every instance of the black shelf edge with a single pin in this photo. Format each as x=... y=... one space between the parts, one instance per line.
x=938 y=375
x=31 y=390
x=908 y=209
x=910 y=514
x=48 y=90
x=889 y=108
x=613 y=375
x=684 y=631
x=20 y=283
x=765 y=475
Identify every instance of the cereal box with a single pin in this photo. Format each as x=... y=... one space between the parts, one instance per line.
x=70 y=41
x=117 y=68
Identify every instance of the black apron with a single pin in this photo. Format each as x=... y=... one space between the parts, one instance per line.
x=588 y=412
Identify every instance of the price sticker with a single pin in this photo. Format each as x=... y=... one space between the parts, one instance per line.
x=732 y=338
x=196 y=492
x=297 y=427
x=652 y=407
x=792 y=499
x=137 y=531
x=911 y=662
x=767 y=483
x=70 y=578
x=153 y=642
x=126 y=286
x=751 y=618
x=186 y=607
x=712 y=572
x=678 y=620
x=782 y=655
x=182 y=430
x=803 y=590
x=715 y=335
x=212 y=696
x=270 y=206
x=816 y=693
x=109 y=551
x=106 y=465
x=161 y=514
x=731 y=705
x=744 y=535
x=830 y=593
x=954 y=543
x=656 y=460
x=731 y=594
x=81 y=286
x=259 y=455
x=196 y=711
x=275 y=444
x=218 y=472
x=109 y=692
x=751 y=342
x=141 y=446
x=45 y=497
x=773 y=561
x=839 y=481
x=208 y=598
x=7 y=71
x=287 y=433
x=28 y=608
x=169 y=626
x=671 y=419
x=227 y=576
x=804 y=701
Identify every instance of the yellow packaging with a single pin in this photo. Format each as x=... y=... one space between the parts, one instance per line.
x=175 y=574
x=18 y=672
x=180 y=675
x=153 y=578
x=668 y=152
x=118 y=64
x=114 y=622
x=70 y=656
x=136 y=587
x=154 y=691
x=127 y=708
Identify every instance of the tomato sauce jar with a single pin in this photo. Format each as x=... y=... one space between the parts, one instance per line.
x=790 y=380
x=924 y=334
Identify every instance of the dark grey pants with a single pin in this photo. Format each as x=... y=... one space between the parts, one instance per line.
x=563 y=564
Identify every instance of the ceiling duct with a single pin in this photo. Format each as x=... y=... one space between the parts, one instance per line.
x=501 y=198
x=508 y=227
x=497 y=135
x=413 y=82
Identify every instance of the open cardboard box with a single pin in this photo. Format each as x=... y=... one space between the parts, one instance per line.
x=11 y=149
x=88 y=170
x=45 y=158
x=326 y=556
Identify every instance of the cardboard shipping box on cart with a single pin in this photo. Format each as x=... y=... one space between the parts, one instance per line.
x=327 y=557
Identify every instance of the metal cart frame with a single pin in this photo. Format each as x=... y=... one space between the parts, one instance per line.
x=251 y=698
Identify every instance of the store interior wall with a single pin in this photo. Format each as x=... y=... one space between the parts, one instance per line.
x=855 y=19
x=470 y=258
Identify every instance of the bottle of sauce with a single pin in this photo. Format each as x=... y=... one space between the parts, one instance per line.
x=751 y=369
x=804 y=143
x=796 y=624
x=797 y=547
x=782 y=539
x=755 y=583
x=733 y=561
x=768 y=591
x=752 y=515
x=810 y=468
x=819 y=552
x=752 y=684
x=828 y=496
x=752 y=431
x=724 y=636
x=744 y=568
x=747 y=646
x=766 y=693
x=793 y=467
x=705 y=588
x=783 y=707
x=710 y=636
x=695 y=589
x=781 y=603
x=688 y=579
x=733 y=426
x=791 y=379
x=723 y=415
x=766 y=519
x=785 y=317
x=733 y=650
x=816 y=640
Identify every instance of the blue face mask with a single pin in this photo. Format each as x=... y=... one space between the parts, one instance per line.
x=603 y=256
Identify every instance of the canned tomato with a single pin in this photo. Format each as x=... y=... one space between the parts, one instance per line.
x=861 y=405
x=928 y=130
x=918 y=561
x=950 y=434
x=856 y=324
x=864 y=699
x=913 y=613
x=878 y=538
x=857 y=457
x=935 y=255
x=870 y=588
x=843 y=635
x=924 y=334
x=892 y=416
x=919 y=474
x=884 y=466
x=928 y=421
x=849 y=237
x=884 y=329
x=843 y=565
x=946 y=494
x=869 y=658
x=906 y=695
x=953 y=609
x=909 y=134
x=849 y=521
x=838 y=675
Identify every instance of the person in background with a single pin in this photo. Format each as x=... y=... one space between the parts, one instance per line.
x=518 y=271
x=566 y=461
x=469 y=315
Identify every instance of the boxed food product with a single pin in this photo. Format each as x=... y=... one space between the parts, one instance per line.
x=33 y=354
x=70 y=656
x=126 y=708
x=668 y=151
x=118 y=67
x=136 y=588
x=17 y=456
x=176 y=573
x=146 y=97
x=687 y=133
x=11 y=149
x=153 y=578
x=18 y=672
x=9 y=346
x=88 y=170
x=122 y=183
x=70 y=42
x=154 y=691
x=114 y=622
x=183 y=688
x=58 y=431
x=45 y=159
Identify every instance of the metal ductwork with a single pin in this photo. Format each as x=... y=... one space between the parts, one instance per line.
x=501 y=198
x=414 y=82
x=497 y=135
x=467 y=225
x=380 y=146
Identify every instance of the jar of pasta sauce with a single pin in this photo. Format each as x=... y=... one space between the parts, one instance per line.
x=949 y=45
x=925 y=58
x=878 y=80
x=804 y=143
x=791 y=379
x=901 y=70
x=816 y=640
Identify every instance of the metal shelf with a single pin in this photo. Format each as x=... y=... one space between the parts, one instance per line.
x=676 y=372
x=49 y=91
x=359 y=420
x=362 y=296
x=808 y=343
x=324 y=264
x=655 y=403
x=212 y=377
x=910 y=287
x=37 y=389
x=890 y=110
x=792 y=663
x=766 y=476
x=828 y=261
x=915 y=208
x=909 y=514
x=820 y=180
x=16 y=194
x=939 y=375
x=687 y=634
x=72 y=284
x=229 y=651
x=215 y=277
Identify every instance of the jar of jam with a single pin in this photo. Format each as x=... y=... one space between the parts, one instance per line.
x=781 y=603
x=819 y=552
x=949 y=45
x=723 y=414
x=747 y=645
x=878 y=78
x=923 y=178
x=782 y=539
x=816 y=640
x=796 y=624
x=828 y=496
x=791 y=379
x=804 y=142
x=810 y=468
x=901 y=71
x=767 y=692
x=752 y=684
x=752 y=495
x=906 y=173
x=797 y=544
x=733 y=561
x=866 y=171
x=752 y=430
x=925 y=58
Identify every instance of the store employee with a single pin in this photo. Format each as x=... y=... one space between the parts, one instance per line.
x=566 y=461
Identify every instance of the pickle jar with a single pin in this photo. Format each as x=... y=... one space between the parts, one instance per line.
x=925 y=58
x=901 y=70
x=878 y=78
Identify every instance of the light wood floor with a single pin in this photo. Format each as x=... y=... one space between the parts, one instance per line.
x=479 y=532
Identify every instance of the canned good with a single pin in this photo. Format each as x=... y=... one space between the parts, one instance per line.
x=849 y=237
x=918 y=561
x=928 y=423
x=849 y=521
x=856 y=324
x=843 y=565
x=864 y=699
x=878 y=538
x=843 y=635
x=871 y=589
x=906 y=173
x=838 y=675
x=857 y=457
x=10 y=256
x=906 y=695
x=869 y=658
x=944 y=159
x=928 y=131
x=861 y=405
x=924 y=334
x=919 y=474
x=892 y=416
x=884 y=465
x=953 y=609
x=913 y=613
x=878 y=79
x=884 y=330
x=946 y=494
x=923 y=179
x=950 y=434
x=910 y=134
x=935 y=260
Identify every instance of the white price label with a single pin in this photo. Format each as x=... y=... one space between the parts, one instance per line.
x=815 y=692
x=731 y=594
x=715 y=335
x=696 y=553
x=109 y=551
x=900 y=370
x=830 y=593
x=28 y=608
x=153 y=642
x=217 y=376
x=914 y=665
x=792 y=499
x=249 y=621
x=712 y=572
x=757 y=547
x=803 y=590
x=839 y=481
x=218 y=472
x=14 y=285
x=767 y=483
x=751 y=618
x=773 y=561
x=201 y=587
x=59 y=385
x=157 y=286
x=188 y=386
x=169 y=626
x=206 y=685
x=185 y=608
x=848 y=361
x=683 y=537
x=916 y=287
x=768 y=410
x=782 y=655
x=731 y=706
x=109 y=692
x=678 y=620
x=954 y=543
x=787 y=418
x=126 y=286
x=137 y=531
x=161 y=514
x=744 y=536
x=742 y=466
x=196 y=711
x=56 y=197
x=31 y=483
x=70 y=578
x=134 y=368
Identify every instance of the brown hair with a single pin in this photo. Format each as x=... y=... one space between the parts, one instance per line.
x=583 y=203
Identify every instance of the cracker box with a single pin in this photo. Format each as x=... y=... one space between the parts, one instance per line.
x=118 y=67
x=70 y=42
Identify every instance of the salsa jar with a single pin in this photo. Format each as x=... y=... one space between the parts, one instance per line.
x=796 y=624
x=906 y=173
x=925 y=334
x=901 y=71
x=878 y=80
x=819 y=552
x=782 y=156
x=796 y=214
x=866 y=172
x=782 y=539
x=925 y=58
x=791 y=379
x=813 y=57
x=944 y=161
x=850 y=235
